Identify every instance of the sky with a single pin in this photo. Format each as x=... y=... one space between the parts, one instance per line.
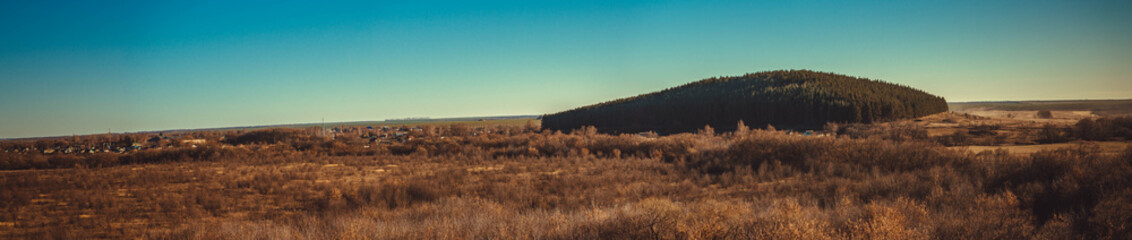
x=86 y=67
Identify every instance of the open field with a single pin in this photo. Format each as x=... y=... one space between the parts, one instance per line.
x=459 y=182
x=1100 y=147
x=1061 y=109
x=1015 y=126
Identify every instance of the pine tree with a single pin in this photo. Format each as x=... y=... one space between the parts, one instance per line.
x=795 y=99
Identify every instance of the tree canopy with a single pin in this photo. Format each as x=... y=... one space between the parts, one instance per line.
x=791 y=99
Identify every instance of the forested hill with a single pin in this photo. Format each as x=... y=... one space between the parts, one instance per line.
x=794 y=99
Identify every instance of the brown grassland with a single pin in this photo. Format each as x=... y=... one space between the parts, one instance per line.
x=900 y=180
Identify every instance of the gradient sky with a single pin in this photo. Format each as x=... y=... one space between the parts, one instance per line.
x=87 y=66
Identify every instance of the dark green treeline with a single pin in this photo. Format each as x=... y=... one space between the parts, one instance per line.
x=793 y=99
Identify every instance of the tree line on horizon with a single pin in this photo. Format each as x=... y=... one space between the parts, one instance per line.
x=790 y=99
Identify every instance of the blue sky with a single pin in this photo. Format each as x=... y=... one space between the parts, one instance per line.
x=88 y=66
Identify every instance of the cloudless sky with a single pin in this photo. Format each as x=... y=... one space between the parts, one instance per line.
x=79 y=67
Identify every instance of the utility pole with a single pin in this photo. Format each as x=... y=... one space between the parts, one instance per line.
x=321 y=131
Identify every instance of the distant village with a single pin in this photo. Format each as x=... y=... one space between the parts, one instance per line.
x=131 y=142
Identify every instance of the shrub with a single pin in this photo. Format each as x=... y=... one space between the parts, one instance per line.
x=1118 y=128
x=1053 y=134
x=269 y=136
x=1044 y=114
x=182 y=154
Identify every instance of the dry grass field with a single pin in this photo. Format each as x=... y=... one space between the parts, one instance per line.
x=1061 y=109
x=879 y=181
x=1015 y=131
x=1101 y=147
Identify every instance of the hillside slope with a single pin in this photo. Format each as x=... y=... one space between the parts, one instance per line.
x=796 y=99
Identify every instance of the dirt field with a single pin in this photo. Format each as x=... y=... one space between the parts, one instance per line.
x=1109 y=108
x=951 y=122
x=1102 y=147
x=1059 y=117
x=1005 y=129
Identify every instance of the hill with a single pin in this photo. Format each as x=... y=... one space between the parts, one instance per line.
x=794 y=99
